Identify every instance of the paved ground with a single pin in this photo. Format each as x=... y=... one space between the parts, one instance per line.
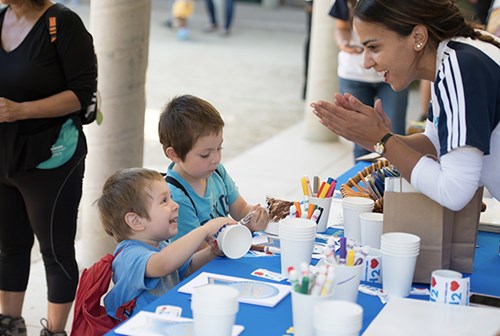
x=254 y=77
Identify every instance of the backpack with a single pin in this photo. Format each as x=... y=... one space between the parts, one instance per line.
x=90 y=317
x=92 y=112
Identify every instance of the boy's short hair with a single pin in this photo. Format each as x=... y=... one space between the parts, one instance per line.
x=185 y=119
x=125 y=191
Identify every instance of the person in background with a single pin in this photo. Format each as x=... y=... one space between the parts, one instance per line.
x=45 y=81
x=494 y=19
x=214 y=23
x=137 y=210
x=182 y=11
x=191 y=132
x=481 y=8
x=430 y=40
x=366 y=84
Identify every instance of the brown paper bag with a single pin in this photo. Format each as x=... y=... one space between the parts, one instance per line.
x=448 y=238
x=417 y=214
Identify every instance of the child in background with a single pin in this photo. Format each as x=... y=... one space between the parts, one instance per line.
x=181 y=11
x=191 y=132
x=137 y=210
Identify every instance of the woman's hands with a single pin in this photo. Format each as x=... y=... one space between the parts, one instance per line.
x=8 y=110
x=353 y=120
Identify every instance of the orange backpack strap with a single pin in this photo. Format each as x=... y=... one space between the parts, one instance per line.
x=52 y=20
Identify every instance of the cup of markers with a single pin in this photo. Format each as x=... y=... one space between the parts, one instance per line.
x=317 y=201
x=308 y=289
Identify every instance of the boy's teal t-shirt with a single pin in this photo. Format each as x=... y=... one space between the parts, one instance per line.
x=220 y=194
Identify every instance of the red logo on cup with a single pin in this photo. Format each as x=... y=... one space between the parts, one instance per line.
x=374 y=263
x=454 y=286
x=433 y=282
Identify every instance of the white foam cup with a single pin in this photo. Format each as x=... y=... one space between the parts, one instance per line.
x=449 y=287
x=337 y=318
x=214 y=309
x=352 y=207
x=346 y=282
x=303 y=310
x=372 y=267
x=371 y=226
x=325 y=204
x=234 y=240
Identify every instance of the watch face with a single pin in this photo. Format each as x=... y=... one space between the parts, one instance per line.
x=379 y=148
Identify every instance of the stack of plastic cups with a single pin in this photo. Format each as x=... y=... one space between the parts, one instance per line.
x=352 y=207
x=297 y=237
x=337 y=318
x=214 y=310
x=399 y=257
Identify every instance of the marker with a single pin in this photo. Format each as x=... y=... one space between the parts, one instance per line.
x=331 y=189
x=293 y=211
x=318 y=284
x=350 y=258
x=323 y=191
x=330 y=275
x=321 y=188
x=305 y=190
x=293 y=278
x=272 y=250
x=316 y=214
x=298 y=210
x=315 y=185
x=310 y=210
x=309 y=189
x=343 y=251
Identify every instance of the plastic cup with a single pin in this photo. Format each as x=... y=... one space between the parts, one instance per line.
x=234 y=240
x=398 y=273
x=214 y=309
x=303 y=312
x=346 y=282
x=372 y=267
x=352 y=207
x=372 y=226
x=449 y=287
x=337 y=318
x=326 y=204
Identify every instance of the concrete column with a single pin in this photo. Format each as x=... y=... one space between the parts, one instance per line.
x=270 y=3
x=322 y=79
x=121 y=37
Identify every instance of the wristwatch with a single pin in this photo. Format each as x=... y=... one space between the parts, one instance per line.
x=380 y=146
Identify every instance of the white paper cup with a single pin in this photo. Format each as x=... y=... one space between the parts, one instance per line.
x=449 y=287
x=346 y=282
x=295 y=252
x=372 y=226
x=234 y=240
x=398 y=274
x=337 y=318
x=214 y=309
x=303 y=310
x=326 y=204
x=352 y=207
x=372 y=267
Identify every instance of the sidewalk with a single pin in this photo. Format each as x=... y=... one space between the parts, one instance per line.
x=254 y=78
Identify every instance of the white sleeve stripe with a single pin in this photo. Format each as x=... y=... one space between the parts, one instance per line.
x=454 y=102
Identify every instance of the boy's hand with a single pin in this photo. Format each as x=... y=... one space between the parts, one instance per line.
x=259 y=220
x=212 y=242
x=214 y=225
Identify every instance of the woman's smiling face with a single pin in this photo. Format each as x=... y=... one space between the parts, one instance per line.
x=390 y=54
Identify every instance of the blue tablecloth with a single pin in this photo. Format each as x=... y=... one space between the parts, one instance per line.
x=259 y=320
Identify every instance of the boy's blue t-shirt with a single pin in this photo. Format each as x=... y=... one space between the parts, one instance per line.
x=129 y=279
x=220 y=194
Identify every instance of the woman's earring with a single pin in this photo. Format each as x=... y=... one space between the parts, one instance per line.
x=419 y=45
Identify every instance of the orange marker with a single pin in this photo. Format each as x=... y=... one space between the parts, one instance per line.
x=310 y=210
x=299 y=209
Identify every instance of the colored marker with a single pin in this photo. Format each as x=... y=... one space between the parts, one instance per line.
x=293 y=211
x=331 y=189
x=343 y=251
x=293 y=278
x=318 y=284
x=310 y=210
x=321 y=188
x=305 y=190
x=330 y=275
x=315 y=185
x=309 y=189
x=323 y=191
x=298 y=210
x=350 y=258
x=316 y=214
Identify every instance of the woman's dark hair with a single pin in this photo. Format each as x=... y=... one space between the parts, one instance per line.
x=442 y=18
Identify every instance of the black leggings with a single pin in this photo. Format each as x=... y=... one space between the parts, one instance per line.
x=42 y=203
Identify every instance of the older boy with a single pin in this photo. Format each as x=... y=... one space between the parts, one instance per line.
x=136 y=209
x=191 y=132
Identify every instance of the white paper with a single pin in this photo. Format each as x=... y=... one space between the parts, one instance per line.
x=412 y=317
x=152 y=324
x=251 y=291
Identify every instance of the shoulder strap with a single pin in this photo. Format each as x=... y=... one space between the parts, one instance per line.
x=51 y=14
x=176 y=183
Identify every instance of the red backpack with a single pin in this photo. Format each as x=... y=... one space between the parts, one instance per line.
x=90 y=317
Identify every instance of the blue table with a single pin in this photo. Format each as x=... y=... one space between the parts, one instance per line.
x=259 y=320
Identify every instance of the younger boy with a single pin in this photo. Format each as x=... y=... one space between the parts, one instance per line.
x=136 y=209
x=190 y=130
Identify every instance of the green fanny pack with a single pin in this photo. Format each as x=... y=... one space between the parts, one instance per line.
x=64 y=147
